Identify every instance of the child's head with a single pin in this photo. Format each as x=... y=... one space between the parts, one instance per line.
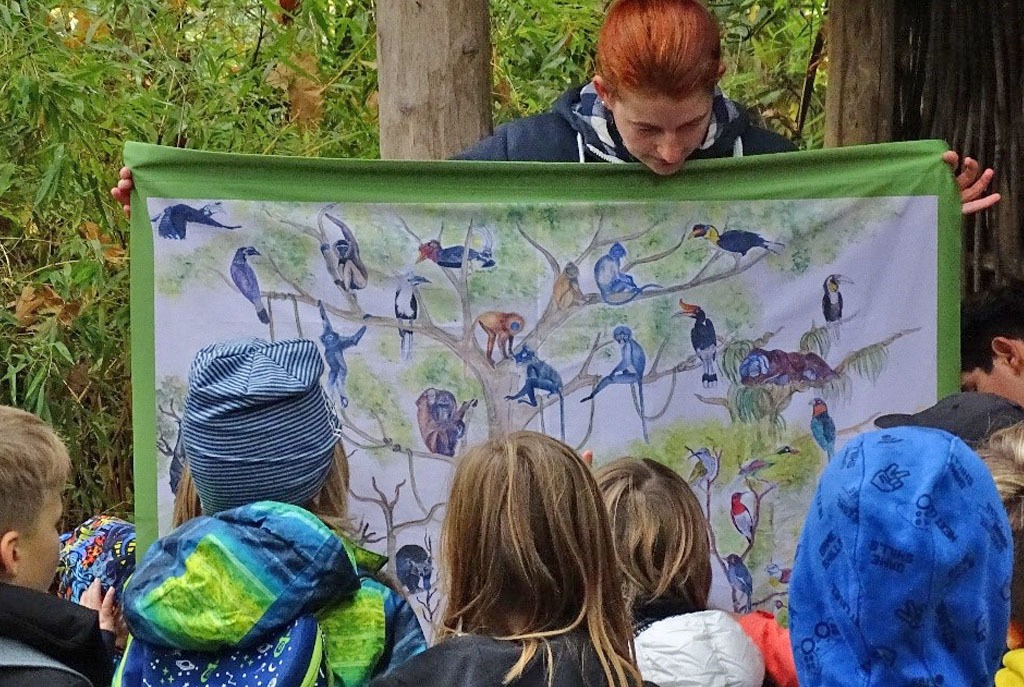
x=659 y=532
x=258 y=427
x=902 y=574
x=528 y=553
x=992 y=343
x=34 y=466
x=1003 y=453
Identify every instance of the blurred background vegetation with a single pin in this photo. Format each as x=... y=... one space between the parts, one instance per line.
x=80 y=78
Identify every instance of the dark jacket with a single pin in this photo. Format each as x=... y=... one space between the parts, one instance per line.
x=551 y=137
x=477 y=661
x=63 y=631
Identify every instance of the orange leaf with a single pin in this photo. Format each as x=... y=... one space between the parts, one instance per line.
x=32 y=303
x=305 y=92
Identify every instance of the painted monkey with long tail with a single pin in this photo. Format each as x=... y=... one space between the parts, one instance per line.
x=630 y=370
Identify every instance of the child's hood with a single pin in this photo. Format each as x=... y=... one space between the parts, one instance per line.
x=227 y=580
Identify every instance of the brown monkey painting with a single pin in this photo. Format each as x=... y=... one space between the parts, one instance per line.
x=567 y=292
x=501 y=328
x=441 y=423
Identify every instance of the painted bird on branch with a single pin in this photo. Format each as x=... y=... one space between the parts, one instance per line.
x=741 y=518
x=244 y=278
x=740 y=579
x=735 y=241
x=823 y=427
x=704 y=341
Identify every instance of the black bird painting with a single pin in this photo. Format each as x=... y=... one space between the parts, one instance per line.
x=832 y=302
x=735 y=241
x=244 y=278
x=704 y=340
x=407 y=309
x=173 y=221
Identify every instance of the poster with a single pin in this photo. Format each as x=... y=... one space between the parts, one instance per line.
x=738 y=322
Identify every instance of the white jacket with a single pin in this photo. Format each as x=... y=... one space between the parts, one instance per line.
x=705 y=649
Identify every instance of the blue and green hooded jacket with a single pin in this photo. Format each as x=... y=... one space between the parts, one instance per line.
x=232 y=579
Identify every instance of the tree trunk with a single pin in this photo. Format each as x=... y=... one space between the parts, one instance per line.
x=859 y=99
x=958 y=68
x=434 y=71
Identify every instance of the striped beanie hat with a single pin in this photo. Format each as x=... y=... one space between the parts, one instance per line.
x=257 y=425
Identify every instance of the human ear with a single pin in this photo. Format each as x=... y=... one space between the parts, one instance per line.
x=603 y=91
x=1011 y=351
x=721 y=71
x=9 y=543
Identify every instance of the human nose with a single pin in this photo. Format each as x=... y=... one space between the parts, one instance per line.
x=672 y=150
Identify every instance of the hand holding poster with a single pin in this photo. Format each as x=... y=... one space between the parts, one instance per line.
x=737 y=322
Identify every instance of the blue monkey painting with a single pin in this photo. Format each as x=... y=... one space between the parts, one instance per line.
x=173 y=220
x=616 y=286
x=334 y=353
x=630 y=370
x=539 y=375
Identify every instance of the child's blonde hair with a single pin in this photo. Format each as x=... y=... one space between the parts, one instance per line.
x=34 y=463
x=1003 y=453
x=330 y=505
x=659 y=531
x=528 y=554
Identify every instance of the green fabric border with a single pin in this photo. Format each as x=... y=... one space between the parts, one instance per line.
x=888 y=169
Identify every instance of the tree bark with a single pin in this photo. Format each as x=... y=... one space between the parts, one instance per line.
x=434 y=71
x=859 y=99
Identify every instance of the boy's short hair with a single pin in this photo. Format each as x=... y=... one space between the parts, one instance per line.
x=33 y=464
x=983 y=317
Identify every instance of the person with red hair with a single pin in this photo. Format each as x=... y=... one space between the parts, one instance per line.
x=655 y=99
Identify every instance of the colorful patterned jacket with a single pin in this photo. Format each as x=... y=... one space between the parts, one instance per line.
x=230 y=580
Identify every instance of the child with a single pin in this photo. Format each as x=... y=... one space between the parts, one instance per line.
x=43 y=640
x=534 y=593
x=903 y=569
x=992 y=343
x=260 y=433
x=1003 y=453
x=661 y=538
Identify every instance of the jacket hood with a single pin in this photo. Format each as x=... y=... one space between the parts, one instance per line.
x=230 y=579
x=903 y=569
x=703 y=649
x=732 y=127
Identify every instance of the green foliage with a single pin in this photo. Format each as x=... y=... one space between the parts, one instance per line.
x=816 y=340
x=80 y=78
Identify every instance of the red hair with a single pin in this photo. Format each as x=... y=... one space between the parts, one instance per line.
x=663 y=47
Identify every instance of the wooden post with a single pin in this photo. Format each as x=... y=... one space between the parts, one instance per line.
x=859 y=98
x=434 y=76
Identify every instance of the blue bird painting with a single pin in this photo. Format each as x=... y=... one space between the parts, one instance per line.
x=244 y=278
x=173 y=220
x=740 y=579
x=823 y=427
x=452 y=257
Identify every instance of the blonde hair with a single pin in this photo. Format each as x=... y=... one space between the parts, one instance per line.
x=1003 y=453
x=528 y=554
x=659 y=532
x=34 y=464
x=330 y=504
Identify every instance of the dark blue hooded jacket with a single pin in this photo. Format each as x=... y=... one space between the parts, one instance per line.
x=552 y=137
